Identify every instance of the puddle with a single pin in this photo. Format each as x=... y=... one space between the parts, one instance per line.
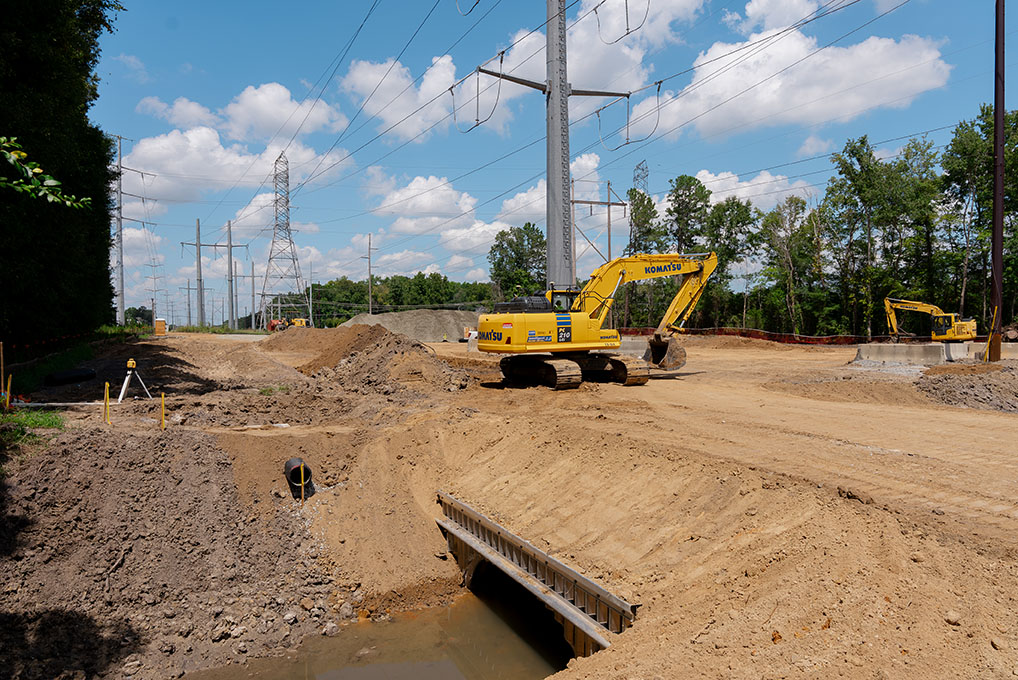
x=494 y=632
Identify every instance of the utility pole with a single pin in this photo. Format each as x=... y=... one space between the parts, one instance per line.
x=188 y=289
x=120 y=231
x=561 y=271
x=997 y=244
x=229 y=271
x=311 y=292
x=609 y=203
x=368 y=258
x=197 y=264
x=283 y=265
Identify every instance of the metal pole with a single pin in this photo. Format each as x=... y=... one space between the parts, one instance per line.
x=120 y=233
x=311 y=291
x=609 y=220
x=197 y=261
x=189 y=302
x=561 y=266
x=997 y=297
x=252 y=295
x=368 y=258
x=236 y=295
x=229 y=273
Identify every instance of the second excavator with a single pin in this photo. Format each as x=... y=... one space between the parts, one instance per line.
x=559 y=338
x=946 y=327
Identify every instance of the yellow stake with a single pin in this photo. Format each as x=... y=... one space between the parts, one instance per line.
x=302 y=484
x=162 y=397
x=106 y=405
x=986 y=350
x=7 y=402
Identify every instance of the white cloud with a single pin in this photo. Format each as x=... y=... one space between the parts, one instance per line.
x=184 y=113
x=764 y=190
x=186 y=165
x=459 y=261
x=476 y=238
x=140 y=247
x=425 y=204
x=396 y=97
x=814 y=146
x=838 y=83
x=476 y=275
x=268 y=110
x=529 y=205
x=136 y=70
x=769 y=14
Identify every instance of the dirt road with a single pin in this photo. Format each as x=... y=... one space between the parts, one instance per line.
x=775 y=510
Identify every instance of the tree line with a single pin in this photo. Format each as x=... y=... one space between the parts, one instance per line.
x=916 y=225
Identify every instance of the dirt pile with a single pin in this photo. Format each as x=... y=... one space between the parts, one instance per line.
x=367 y=359
x=131 y=553
x=425 y=325
x=974 y=385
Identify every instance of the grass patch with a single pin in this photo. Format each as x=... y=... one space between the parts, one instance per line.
x=267 y=391
x=18 y=428
x=35 y=419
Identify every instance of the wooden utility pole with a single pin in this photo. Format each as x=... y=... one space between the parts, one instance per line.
x=997 y=298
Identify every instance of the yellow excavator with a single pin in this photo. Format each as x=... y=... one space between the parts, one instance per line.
x=554 y=338
x=946 y=327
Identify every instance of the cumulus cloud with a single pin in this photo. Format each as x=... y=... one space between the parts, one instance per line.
x=814 y=146
x=425 y=204
x=185 y=165
x=140 y=247
x=136 y=70
x=183 y=113
x=764 y=190
x=529 y=205
x=862 y=76
x=267 y=110
x=386 y=90
x=769 y=14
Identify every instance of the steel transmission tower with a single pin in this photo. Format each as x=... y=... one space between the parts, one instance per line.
x=283 y=270
x=640 y=175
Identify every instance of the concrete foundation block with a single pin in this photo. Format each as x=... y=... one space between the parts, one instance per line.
x=925 y=354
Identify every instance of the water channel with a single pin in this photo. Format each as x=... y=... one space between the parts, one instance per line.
x=495 y=631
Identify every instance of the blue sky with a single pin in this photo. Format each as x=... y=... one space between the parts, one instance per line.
x=751 y=101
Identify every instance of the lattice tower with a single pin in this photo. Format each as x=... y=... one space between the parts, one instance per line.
x=282 y=274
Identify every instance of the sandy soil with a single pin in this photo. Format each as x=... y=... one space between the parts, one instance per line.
x=777 y=511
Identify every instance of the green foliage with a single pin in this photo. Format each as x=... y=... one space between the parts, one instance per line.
x=518 y=260
x=54 y=262
x=688 y=207
x=30 y=179
x=34 y=419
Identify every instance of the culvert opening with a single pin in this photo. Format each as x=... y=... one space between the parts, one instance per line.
x=527 y=616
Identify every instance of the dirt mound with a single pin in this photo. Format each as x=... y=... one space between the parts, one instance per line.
x=732 y=342
x=372 y=359
x=985 y=386
x=425 y=325
x=132 y=553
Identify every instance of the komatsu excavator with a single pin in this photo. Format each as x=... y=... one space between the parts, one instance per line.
x=946 y=327
x=554 y=338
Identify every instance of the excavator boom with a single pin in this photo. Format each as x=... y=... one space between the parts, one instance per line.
x=946 y=327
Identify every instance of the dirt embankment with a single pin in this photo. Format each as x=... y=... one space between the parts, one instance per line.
x=973 y=385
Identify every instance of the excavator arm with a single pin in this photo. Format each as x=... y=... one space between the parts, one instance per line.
x=891 y=304
x=598 y=295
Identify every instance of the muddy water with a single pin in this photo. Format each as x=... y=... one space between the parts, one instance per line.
x=478 y=637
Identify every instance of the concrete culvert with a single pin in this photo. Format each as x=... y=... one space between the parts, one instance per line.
x=295 y=471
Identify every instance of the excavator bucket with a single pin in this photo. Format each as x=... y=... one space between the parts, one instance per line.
x=664 y=353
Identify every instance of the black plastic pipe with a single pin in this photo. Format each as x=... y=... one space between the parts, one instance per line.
x=292 y=472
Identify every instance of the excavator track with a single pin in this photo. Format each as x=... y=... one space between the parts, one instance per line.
x=559 y=374
x=569 y=373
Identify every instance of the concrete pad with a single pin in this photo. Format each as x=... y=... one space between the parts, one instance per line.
x=1008 y=350
x=926 y=354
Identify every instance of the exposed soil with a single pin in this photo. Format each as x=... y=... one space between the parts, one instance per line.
x=776 y=511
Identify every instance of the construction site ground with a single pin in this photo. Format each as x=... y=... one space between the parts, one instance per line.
x=776 y=510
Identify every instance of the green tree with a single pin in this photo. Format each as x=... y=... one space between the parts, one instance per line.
x=688 y=206
x=52 y=258
x=518 y=260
